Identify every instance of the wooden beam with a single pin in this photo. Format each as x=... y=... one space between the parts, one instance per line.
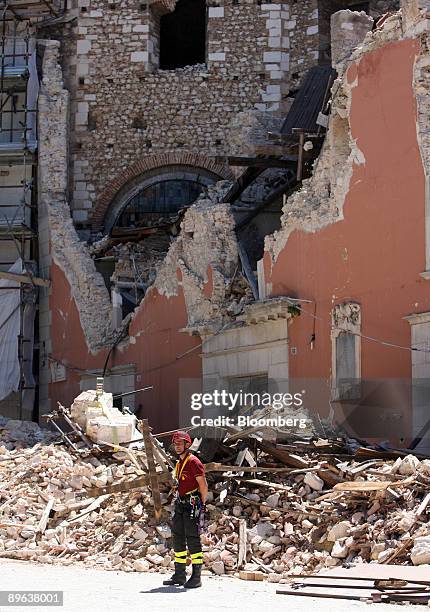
x=45 y=516
x=263 y=162
x=25 y=278
x=127 y=485
x=149 y=449
x=243 y=539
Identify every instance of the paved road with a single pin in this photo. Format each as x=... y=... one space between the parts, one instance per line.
x=92 y=590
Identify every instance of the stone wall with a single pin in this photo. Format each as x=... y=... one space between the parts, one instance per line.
x=124 y=109
x=376 y=8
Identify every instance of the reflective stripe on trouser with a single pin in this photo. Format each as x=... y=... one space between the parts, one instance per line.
x=197 y=558
x=185 y=530
x=181 y=557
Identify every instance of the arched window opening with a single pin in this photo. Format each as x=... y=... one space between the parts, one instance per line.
x=158 y=200
x=183 y=35
x=141 y=225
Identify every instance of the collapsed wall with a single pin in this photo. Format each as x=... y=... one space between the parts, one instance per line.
x=206 y=240
x=68 y=253
x=321 y=199
x=206 y=255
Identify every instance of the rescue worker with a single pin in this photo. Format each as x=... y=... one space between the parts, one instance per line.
x=191 y=493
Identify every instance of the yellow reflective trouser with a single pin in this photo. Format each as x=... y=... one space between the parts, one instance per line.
x=181 y=556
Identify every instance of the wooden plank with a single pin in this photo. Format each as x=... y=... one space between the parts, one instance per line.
x=45 y=516
x=220 y=467
x=377 y=485
x=162 y=457
x=243 y=539
x=153 y=478
x=249 y=458
x=255 y=576
x=400 y=550
x=266 y=483
x=423 y=505
x=240 y=456
x=64 y=509
x=364 y=466
x=127 y=485
x=25 y=278
x=93 y=506
x=283 y=456
x=262 y=162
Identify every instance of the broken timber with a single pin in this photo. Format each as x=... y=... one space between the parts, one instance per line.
x=153 y=477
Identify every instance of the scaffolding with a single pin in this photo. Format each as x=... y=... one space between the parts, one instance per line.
x=19 y=84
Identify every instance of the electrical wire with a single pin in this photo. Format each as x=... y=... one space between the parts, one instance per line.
x=294 y=301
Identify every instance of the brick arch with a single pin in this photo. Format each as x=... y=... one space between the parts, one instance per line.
x=152 y=162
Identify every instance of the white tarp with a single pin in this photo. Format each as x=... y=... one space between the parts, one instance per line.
x=9 y=332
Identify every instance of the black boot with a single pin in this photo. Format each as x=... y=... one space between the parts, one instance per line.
x=179 y=577
x=195 y=580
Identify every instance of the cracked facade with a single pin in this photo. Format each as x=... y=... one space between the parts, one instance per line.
x=160 y=276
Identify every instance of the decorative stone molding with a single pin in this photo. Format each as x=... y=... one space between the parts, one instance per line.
x=346 y=318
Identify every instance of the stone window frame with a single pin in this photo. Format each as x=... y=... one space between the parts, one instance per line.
x=346 y=317
x=420 y=364
x=426 y=273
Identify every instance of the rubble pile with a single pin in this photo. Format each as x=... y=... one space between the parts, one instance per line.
x=301 y=509
x=139 y=262
x=21 y=434
x=295 y=526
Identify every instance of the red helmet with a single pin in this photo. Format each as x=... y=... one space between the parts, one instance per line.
x=181 y=435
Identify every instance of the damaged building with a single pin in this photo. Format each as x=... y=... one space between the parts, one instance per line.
x=238 y=207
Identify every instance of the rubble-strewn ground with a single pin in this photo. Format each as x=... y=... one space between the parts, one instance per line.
x=296 y=522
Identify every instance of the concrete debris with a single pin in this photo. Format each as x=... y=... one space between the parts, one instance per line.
x=192 y=240
x=50 y=513
x=101 y=421
x=206 y=245
x=21 y=434
x=420 y=553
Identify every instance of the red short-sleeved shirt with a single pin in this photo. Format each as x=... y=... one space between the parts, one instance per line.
x=187 y=480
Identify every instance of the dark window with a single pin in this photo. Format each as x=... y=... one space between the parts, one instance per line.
x=345 y=357
x=359 y=6
x=183 y=35
x=161 y=199
x=347 y=385
x=251 y=385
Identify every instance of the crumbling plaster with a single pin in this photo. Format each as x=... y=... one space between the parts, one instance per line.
x=72 y=257
x=321 y=198
x=416 y=23
x=202 y=260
